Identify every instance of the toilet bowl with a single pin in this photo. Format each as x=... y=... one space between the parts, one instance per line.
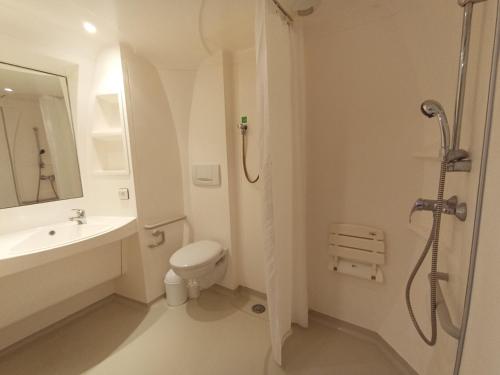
x=201 y=264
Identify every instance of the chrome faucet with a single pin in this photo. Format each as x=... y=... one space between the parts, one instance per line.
x=450 y=207
x=80 y=216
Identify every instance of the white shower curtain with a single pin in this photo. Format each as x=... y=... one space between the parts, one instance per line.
x=280 y=109
x=62 y=148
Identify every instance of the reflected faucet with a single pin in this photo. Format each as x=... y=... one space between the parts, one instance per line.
x=80 y=216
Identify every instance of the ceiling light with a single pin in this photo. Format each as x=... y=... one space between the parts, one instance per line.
x=89 y=27
x=8 y=89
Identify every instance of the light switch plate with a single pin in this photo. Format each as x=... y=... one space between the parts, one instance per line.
x=123 y=194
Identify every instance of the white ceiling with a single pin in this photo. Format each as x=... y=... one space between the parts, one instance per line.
x=170 y=33
x=28 y=83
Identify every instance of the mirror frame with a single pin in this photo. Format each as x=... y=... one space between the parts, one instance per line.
x=73 y=129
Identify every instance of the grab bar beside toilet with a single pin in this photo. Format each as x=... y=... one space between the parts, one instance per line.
x=163 y=223
x=161 y=233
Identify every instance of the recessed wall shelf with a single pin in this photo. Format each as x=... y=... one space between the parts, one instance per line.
x=111 y=172
x=107 y=134
x=109 y=111
x=108 y=137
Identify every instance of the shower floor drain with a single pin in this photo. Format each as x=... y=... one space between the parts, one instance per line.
x=258 y=308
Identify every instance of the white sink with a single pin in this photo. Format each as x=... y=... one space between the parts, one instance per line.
x=56 y=235
x=33 y=247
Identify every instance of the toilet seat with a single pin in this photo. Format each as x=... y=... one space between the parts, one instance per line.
x=196 y=254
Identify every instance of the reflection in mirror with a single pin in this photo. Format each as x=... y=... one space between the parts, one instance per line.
x=38 y=158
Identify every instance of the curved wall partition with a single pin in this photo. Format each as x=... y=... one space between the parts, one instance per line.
x=156 y=168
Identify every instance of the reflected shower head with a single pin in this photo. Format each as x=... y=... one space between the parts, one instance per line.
x=304 y=7
x=432 y=108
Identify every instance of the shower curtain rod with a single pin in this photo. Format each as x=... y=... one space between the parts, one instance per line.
x=285 y=14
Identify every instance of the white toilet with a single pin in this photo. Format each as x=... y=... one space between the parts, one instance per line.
x=201 y=264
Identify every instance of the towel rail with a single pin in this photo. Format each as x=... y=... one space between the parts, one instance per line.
x=165 y=222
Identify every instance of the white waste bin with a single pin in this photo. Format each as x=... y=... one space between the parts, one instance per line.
x=175 y=288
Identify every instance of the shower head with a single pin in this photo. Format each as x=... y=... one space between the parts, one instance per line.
x=432 y=108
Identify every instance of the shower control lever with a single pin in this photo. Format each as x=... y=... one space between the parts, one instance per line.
x=450 y=207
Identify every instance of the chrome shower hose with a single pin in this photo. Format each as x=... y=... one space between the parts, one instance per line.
x=433 y=241
x=244 y=157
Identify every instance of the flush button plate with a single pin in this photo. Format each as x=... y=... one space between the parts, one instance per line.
x=206 y=174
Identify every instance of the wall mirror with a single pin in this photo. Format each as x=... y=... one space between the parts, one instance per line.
x=38 y=158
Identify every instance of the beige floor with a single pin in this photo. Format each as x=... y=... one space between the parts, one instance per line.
x=214 y=335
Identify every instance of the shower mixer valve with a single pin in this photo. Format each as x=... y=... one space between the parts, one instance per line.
x=450 y=207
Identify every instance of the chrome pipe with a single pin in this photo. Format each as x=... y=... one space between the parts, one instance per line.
x=490 y=109
x=462 y=74
x=37 y=139
x=442 y=309
x=11 y=157
x=463 y=3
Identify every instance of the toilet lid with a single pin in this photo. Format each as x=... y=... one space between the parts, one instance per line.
x=195 y=254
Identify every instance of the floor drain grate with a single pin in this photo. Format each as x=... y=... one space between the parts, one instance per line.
x=258 y=308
